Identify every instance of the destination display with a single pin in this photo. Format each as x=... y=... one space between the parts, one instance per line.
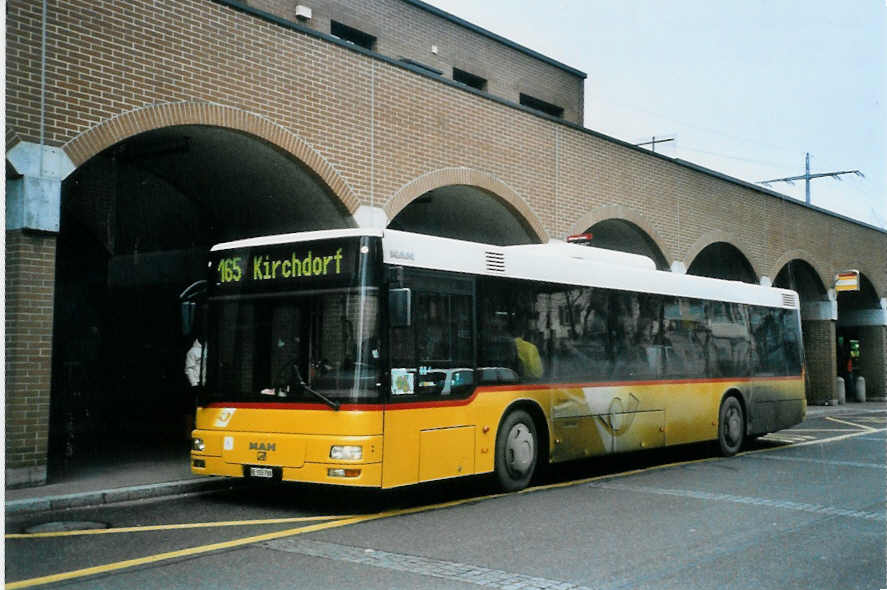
x=318 y=264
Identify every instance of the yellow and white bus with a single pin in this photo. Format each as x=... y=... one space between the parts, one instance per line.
x=383 y=358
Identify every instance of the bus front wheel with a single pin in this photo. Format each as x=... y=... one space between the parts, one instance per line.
x=731 y=426
x=516 y=451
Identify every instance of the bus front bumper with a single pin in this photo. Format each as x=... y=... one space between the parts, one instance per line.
x=289 y=457
x=364 y=474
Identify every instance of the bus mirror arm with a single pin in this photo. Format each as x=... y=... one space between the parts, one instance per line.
x=196 y=292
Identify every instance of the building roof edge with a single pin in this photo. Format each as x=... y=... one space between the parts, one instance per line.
x=236 y=5
x=491 y=35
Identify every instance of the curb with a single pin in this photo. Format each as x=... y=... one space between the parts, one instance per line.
x=112 y=496
x=848 y=408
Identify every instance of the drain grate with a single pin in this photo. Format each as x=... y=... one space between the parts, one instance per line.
x=63 y=526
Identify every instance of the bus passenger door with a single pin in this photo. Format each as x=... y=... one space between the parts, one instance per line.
x=429 y=430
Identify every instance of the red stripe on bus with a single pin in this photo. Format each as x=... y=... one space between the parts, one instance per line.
x=536 y=386
x=486 y=389
x=293 y=406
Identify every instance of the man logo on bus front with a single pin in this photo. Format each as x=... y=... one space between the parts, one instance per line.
x=262 y=449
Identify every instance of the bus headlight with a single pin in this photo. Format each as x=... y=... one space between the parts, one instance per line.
x=338 y=472
x=346 y=452
x=197 y=444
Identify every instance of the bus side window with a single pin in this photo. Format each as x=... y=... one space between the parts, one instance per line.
x=495 y=347
x=576 y=333
x=730 y=339
x=792 y=338
x=686 y=336
x=777 y=341
x=510 y=334
x=433 y=356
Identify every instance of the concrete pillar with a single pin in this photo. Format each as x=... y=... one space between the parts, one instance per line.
x=33 y=196
x=367 y=217
x=820 y=350
x=30 y=286
x=871 y=325
x=873 y=361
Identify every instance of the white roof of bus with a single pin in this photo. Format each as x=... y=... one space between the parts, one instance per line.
x=554 y=262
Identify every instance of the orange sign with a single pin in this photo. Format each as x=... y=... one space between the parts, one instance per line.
x=847 y=281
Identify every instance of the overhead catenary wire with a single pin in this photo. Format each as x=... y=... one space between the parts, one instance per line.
x=807 y=177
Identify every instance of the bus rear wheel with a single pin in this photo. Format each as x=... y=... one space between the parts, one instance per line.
x=731 y=426
x=516 y=451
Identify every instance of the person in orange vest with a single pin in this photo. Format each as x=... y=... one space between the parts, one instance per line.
x=527 y=354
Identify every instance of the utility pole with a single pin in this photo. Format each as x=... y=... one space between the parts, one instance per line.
x=807 y=177
x=655 y=141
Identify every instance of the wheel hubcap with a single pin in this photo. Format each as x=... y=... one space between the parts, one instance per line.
x=733 y=426
x=520 y=449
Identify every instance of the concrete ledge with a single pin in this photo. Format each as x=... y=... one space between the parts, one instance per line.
x=870 y=405
x=19 y=477
x=112 y=496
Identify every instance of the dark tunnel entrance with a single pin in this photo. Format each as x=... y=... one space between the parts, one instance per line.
x=137 y=221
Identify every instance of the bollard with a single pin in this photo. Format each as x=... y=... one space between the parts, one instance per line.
x=860 y=389
x=840 y=392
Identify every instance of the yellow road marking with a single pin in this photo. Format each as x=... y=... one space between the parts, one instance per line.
x=848 y=423
x=573 y=482
x=119 y=565
x=110 y=567
x=170 y=527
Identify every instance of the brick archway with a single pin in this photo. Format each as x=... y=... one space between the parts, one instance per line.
x=713 y=237
x=623 y=213
x=468 y=177
x=804 y=256
x=98 y=138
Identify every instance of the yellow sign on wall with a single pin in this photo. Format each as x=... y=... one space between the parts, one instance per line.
x=847 y=281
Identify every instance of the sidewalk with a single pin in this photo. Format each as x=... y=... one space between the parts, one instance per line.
x=115 y=477
x=165 y=471
x=848 y=408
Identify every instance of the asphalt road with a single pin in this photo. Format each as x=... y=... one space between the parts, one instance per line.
x=803 y=508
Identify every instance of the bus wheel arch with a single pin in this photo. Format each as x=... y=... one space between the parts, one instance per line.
x=732 y=422
x=522 y=426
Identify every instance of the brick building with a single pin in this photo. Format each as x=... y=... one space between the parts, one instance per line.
x=150 y=130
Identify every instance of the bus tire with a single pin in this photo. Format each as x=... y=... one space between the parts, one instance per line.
x=731 y=426
x=517 y=451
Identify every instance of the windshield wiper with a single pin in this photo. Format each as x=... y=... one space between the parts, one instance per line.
x=331 y=403
x=296 y=375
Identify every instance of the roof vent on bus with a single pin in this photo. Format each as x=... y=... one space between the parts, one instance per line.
x=789 y=300
x=495 y=261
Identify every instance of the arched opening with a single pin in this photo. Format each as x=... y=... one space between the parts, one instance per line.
x=818 y=328
x=464 y=212
x=137 y=221
x=721 y=260
x=625 y=236
x=800 y=276
x=862 y=339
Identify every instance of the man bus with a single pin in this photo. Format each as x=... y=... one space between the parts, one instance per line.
x=382 y=358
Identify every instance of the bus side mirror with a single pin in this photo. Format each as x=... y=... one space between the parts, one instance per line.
x=195 y=292
x=189 y=308
x=399 y=307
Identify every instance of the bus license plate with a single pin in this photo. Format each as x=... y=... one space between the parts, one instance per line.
x=266 y=472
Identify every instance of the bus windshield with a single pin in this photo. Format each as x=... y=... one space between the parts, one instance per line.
x=314 y=341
